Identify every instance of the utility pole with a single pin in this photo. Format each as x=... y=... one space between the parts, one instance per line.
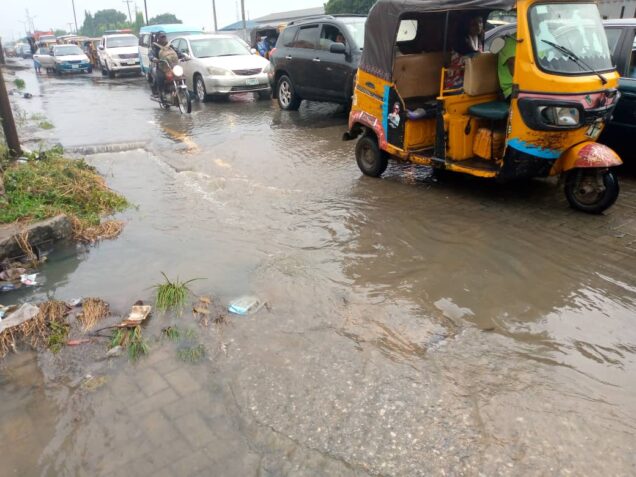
x=74 y=15
x=243 y=18
x=8 y=123
x=70 y=27
x=146 y=9
x=214 y=15
x=128 y=2
x=2 y=61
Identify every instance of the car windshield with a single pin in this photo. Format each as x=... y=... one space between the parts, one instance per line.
x=218 y=47
x=356 y=29
x=121 y=41
x=68 y=50
x=569 y=38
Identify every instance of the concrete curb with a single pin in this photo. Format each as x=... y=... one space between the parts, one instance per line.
x=49 y=230
x=90 y=149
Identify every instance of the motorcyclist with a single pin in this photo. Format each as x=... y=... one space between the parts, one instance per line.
x=164 y=57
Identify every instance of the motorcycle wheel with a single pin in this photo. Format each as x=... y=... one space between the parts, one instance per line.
x=184 y=101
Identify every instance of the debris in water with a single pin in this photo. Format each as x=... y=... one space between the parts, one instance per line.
x=131 y=339
x=78 y=342
x=245 y=305
x=29 y=280
x=7 y=288
x=93 y=310
x=115 y=352
x=12 y=274
x=137 y=315
x=91 y=383
x=75 y=302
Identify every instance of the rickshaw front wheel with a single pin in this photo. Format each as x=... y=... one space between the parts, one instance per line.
x=371 y=160
x=591 y=190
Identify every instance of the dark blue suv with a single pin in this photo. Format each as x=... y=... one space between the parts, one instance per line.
x=317 y=59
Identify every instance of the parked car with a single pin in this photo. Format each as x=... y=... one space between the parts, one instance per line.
x=146 y=37
x=45 y=58
x=622 y=44
x=23 y=50
x=316 y=59
x=221 y=65
x=119 y=53
x=70 y=59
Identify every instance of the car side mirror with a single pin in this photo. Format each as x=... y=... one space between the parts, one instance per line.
x=338 y=48
x=497 y=45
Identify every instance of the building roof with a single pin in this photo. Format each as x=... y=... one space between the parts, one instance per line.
x=249 y=24
x=291 y=15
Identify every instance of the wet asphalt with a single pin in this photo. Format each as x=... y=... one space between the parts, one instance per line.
x=416 y=325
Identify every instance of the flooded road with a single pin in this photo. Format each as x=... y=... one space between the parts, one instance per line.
x=416 y=325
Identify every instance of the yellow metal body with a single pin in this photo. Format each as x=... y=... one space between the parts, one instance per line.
x=420 y=134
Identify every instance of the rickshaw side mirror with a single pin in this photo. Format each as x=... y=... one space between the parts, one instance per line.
x=338 y=48
x=497 y=45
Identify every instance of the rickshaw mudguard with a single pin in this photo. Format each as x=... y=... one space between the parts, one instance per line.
x=364 y=119
x=585 y=155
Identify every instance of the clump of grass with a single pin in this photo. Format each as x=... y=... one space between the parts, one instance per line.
x=19 y=83
x=86 y=233
x=172 y=294
x=93 y=310
x=174 y=333
x=191 y=353
x=46 y=124
x=38 y=117
x=55 y=185
x=58 y=333
x=131 y=339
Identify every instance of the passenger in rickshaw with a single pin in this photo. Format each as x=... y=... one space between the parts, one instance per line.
x=469 y=42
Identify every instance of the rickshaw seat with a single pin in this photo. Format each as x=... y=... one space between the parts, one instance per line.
x=494 y=110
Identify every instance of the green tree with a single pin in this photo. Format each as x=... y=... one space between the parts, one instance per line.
x=110 y=19
x=163 y=19
x=139 y=22
x=88 y=27
x=348 y=6
x=60 y=32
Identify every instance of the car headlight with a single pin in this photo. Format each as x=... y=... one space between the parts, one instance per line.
x=268 y=69
x=177 y=70
x=214 y=71
x=560 y=116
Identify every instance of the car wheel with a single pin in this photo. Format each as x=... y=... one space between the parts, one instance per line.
x=199 y=89
x=288 y=100
x=371 y=160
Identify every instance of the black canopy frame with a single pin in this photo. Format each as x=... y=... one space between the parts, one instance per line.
x=384 y=21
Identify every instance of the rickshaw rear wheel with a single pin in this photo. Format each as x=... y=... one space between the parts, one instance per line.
x=591 y=190
x=371 y=160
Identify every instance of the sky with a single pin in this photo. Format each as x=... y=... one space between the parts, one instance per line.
x=59 y=13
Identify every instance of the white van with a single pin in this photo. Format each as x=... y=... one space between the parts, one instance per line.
x=119 y=53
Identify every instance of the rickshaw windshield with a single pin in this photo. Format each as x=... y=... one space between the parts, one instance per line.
x=569 y=38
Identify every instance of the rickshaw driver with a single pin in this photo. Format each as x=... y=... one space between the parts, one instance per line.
x=506 y=65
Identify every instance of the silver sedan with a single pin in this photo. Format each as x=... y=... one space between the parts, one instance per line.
x=222 y=65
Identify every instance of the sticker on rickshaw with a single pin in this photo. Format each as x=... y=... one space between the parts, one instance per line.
x=594 y=131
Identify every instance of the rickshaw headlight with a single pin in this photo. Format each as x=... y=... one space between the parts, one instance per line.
x=560 y=116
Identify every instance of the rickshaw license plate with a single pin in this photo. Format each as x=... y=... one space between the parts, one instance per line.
x=251 y=82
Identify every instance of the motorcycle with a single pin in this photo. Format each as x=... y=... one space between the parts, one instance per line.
x=175 y=91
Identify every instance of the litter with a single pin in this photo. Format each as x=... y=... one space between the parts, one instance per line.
x=8 y=287
x=245 y=305
x=77 y=342
x=25 y=313
x=29 y=280
x=75 y=302
x=137 y=314
x=115 y=352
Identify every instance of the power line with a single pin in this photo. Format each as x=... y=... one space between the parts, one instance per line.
x=128 y=2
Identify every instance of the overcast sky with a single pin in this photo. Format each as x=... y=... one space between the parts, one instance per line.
x=58 y=13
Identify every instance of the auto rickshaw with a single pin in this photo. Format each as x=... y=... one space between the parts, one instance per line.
x=561 y=96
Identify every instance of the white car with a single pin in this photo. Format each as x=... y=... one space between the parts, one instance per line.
x=70 y=59
x=221 y=65
x=44 y=56
x=119 y=53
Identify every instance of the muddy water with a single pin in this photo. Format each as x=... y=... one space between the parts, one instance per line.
x=417 y=325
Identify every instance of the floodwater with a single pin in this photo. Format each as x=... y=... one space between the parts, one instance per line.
x=415 y=325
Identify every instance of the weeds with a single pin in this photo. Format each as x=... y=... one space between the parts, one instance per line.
x=46 y=124
x=93 y=310
x=58 y=332
x=133 y=340
x=191 y=354
x=54 y=185
x=19 y=83
x=172 y=295
x=174 y=333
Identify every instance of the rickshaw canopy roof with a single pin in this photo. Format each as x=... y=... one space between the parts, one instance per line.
x=384 y=20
